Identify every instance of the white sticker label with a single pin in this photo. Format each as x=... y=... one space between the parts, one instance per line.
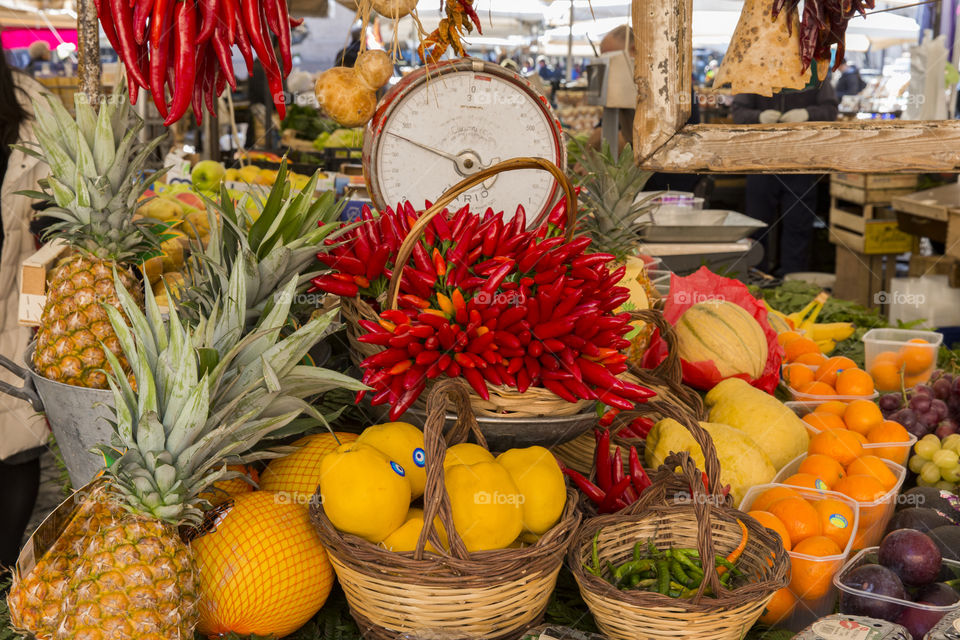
x=841 y=630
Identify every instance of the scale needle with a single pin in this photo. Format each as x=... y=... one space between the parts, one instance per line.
x=442 y=154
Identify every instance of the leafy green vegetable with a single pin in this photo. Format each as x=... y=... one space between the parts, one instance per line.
x=307 y=122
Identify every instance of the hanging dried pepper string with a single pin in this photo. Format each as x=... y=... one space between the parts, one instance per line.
x=823 y=24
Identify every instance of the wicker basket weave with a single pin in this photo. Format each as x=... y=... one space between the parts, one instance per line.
x=668 y=515
x=535 y=401
x=672 y=396
x=487 y=594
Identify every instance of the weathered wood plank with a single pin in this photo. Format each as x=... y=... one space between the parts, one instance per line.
x=814 y=147
x=662 y=71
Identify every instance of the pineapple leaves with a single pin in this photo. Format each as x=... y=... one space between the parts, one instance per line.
x=104 y=147
x=271 y=209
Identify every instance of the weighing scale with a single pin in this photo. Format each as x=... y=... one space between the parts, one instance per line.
x=447 y=121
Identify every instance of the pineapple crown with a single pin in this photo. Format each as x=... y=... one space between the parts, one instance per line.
x=207 y=396
x=609 y=209
x=96 y=163
x=279 y=242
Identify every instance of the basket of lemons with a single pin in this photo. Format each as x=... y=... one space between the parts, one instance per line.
x=476 y=554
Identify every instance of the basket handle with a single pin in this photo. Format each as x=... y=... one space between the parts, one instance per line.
x=514 y=164
x=670 y=368
x=436 y=500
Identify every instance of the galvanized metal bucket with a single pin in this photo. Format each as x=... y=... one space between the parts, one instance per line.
x=78 y=416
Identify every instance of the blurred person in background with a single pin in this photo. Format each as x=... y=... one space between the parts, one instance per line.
x=786 y=202
x=41 y=60
x=849 y=83
x=347 y=57
x=23 y=432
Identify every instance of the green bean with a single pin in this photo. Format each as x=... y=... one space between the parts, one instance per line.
x=595 y=556
x=634 y=566
x=663 y=577
x=652 y=550
x=637 y=549
x=691 y=566
x=677 y=570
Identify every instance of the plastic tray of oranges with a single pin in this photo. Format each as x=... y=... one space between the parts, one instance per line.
x=812 y=376
x=900 y=357
x=884 y=438
x=818 y=529
x=838 y=463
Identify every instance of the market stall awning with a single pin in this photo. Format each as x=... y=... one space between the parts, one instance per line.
x=27 y=18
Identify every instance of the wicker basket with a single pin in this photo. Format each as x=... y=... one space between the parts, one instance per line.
x=486 y=594
x=667 y=515
x=672 y=396
x=535 y=401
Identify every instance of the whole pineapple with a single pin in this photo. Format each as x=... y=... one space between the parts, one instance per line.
x=95 y=179
x=205 y=397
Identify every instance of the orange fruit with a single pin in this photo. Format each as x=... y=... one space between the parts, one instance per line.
x=787 y=336
x=806 y=480
x=836 y=407
x=912 y=381
x=824 y=421
x=890 y=431
x=889 y=357
x=814 y=359
x=918 y=356
x=817 y=389
x=796 y=348
x=862 y=438
x=797 y=375
x=812 y=579
x=840 y=444
x=862 y=488
x=798 y=516
x=861 y=415
x=836 y=520
x=875 y=467
x=827 y=372
x=854 y=382
x=823 y=467
x=779 y=608
x=773 y=523
x=771 y=495
x=886 y=376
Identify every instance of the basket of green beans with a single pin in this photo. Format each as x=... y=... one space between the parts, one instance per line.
x=678 y=564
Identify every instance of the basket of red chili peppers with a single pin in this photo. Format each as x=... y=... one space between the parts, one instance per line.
x=525 y=316
x=678 y=564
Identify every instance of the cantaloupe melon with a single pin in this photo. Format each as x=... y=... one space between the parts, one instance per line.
x=725 y=333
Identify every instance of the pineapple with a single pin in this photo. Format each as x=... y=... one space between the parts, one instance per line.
x=95 y=179
x=205 y=397
x=609 y=215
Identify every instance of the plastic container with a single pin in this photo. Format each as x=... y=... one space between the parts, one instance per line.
x=869 y=556
x=898 y=452
x=810 y=609
x=947 y=629
x=877 y=341
x=810 y=397
x=874 y=515
x=841 y=626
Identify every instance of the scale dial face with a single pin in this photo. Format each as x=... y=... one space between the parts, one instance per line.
x=444 y=122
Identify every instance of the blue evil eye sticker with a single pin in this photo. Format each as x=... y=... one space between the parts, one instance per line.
x=398 y=468
x=419 y=457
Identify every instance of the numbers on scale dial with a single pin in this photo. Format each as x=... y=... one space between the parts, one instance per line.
x=456 y=124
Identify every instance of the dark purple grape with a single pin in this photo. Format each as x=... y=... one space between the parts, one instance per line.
x=946 y=428
x=906 y=417
x=923 y=390
x=938 y=593
x=912 y=555
x=891 y=401
x=956 y=386
x=920 y=403
x=953 y=403
x=948 y=377
x=929 y=419
x=942 y=388
x=940 y=407
x=919 y=621
x=875 y=579
x=936 y=375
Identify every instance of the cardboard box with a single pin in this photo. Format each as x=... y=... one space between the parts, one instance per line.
x=33 y=282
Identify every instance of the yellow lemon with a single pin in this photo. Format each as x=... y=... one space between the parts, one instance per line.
x=298 y=474
x=466 y=453
x=538 y=477
x=363 y=492
x=402 y=442
x=486 y=505
x=405 y=538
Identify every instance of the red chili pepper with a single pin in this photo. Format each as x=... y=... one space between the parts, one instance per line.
x=123 y=20
x=222 y=48
x=405 y=401
x=592 y=491
x=616 y=466
x=558 y=215
x=242 y=39
x=475 y=378
x=609 y=504
x=208 y=11
x=107 y=22
x=553 y=329
x=400 y=367
x=557 y=387
x=377 y=262
x=642 y=426
x=344 y=263
x=380 y=339
x=284 y=37
x=336 y=287
x=523 y=380
x=184 y=17
x=141 y=12
x=421 y=259
x=439 y=264
x=613 y=400
x=440 y=227
x=602 y=459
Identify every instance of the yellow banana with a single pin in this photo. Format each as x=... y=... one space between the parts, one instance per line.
x=797 y=316
x=778 y=320
x=838 y=331
x=811 y=317
x=826 y=346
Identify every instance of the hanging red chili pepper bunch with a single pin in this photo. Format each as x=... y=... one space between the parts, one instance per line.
x=824 y=23
x=488 y=301
x=182 y=48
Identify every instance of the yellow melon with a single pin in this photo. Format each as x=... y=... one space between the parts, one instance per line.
x=724 y=333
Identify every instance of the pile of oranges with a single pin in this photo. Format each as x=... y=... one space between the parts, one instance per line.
x=912 y=365
x=863 y=418
x=810 y=372
x=815 y=529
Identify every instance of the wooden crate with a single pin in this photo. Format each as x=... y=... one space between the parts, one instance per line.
x=940 y=205
x=936 y=265
x=861 y=218
x=871 y=188
x=861 y=278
